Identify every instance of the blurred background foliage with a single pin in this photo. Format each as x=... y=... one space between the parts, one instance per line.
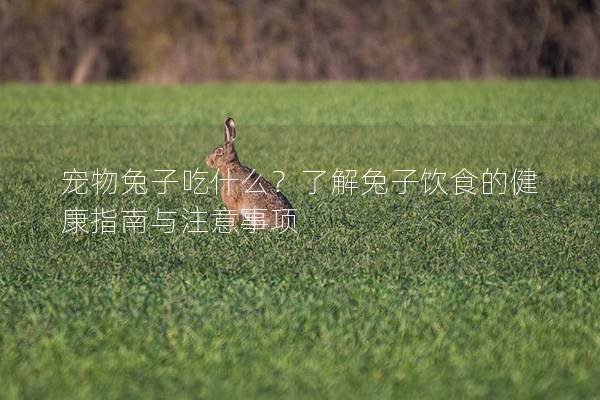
x=191 y=40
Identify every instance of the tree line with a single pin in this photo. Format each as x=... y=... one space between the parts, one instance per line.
x=202 y=40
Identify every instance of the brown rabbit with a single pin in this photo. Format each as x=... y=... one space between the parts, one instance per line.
x=247 y=190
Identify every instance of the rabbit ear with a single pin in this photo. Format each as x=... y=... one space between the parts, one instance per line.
x=229 y=130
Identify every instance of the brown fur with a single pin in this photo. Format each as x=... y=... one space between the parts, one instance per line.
x=235 y=193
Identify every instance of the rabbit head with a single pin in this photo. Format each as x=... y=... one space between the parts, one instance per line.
x=225 y=153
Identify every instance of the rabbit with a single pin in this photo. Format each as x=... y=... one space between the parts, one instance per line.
x=248 y=190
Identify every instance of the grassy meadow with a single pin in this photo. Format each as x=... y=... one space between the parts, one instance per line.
x=415 y=296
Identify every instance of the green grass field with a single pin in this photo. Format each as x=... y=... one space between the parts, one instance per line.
x=410 y=296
